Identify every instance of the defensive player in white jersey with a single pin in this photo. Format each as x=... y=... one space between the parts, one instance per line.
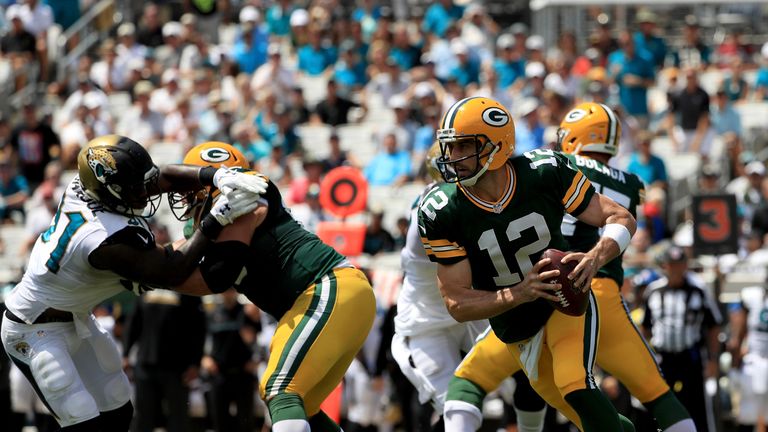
x=749 y=322
x=98 y=245
x=428 y=343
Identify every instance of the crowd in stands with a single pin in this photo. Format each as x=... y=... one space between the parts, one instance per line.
x=288 y=82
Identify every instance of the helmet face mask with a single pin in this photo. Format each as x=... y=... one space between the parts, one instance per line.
x=192 y=205
x=119 y=174
x=480 y=130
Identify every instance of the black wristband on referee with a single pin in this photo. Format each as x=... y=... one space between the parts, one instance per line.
x=210 y=227
x=205 y=175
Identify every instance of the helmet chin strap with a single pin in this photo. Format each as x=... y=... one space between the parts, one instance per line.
x=469 y=182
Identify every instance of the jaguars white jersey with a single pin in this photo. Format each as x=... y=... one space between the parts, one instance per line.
x=59 y=274
x=420 y=307
x=756 y=302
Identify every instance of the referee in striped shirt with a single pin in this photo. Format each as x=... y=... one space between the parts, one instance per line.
x=682 y=323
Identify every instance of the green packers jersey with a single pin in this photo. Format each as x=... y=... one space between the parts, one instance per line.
x=285 y=259
x=624 y=188
x=503 y=240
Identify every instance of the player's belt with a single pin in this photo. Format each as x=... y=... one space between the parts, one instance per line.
x=48 y=316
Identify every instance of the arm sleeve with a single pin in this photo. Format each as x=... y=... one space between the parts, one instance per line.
x=712 y=316
x=647 y=315
x=434 y=229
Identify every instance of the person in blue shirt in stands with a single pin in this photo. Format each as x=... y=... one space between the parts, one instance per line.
x=649 y=167
x=761 y=80
x=647 y=41
x=440 y=16
x=14 y=189
x=391 y=167
x=508 y=64
x=633 y=73
x=314 y=58
x=278 y=18
x=468 y=69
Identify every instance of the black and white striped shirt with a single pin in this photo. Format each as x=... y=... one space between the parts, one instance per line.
x=678 y=316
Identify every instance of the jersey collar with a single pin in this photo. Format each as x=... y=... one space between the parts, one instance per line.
x=501 y=204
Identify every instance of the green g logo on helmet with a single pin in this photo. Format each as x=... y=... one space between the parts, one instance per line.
x=215 y=155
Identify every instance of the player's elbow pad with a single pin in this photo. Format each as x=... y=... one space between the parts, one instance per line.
x=222 y=265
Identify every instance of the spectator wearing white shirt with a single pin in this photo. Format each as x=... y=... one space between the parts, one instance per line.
x=390 y=83
x=274 y=74
x=177 y=125
x=141 y=123
x=478 y=31
x=98 y=113
x=74 y=135
x=107 y=73
x=163 y=99
x=127 y=48
x=37 y=18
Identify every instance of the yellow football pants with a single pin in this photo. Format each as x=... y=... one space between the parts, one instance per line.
x=317 y=339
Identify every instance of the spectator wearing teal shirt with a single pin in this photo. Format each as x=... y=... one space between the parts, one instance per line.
x=367 y=16
x=349 y=70
x=440 y=16
x=724 y=118
x=508 y=64
x=468 y=70
x=403 y=52
x=391 y=167
x=278 y=18
x=529 y=133
x=649 y=167
x=646 y=41
x=761 y=82
x=247 y=53
x=693 y=53
x=314 y=58
x=14 y=189
x=633 y=74
x=65 y=12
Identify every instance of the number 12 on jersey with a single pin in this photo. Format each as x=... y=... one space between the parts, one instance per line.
x=74 y=221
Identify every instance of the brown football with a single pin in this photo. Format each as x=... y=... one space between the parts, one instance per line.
x=572 y=301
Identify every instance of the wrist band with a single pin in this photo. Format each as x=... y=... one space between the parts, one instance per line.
x=210 y=227
x=205 y=175
x=618 y=233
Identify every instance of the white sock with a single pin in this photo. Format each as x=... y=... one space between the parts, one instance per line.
x=686 y=425
x=291 y=425
x=530 y=421
x=460 y=416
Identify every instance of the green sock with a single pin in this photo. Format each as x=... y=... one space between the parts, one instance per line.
x=465 y=390
x=667 y=410
x=322 y=423
x=595 y=411
x=286 y=406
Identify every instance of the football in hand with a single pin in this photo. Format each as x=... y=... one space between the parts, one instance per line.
x=573 y=301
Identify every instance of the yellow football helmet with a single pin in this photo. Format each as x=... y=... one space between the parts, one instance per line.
x=212 y=153
x=589 y=127
x=484 y=122
x=119 y=173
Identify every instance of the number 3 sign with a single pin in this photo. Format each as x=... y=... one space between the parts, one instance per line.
x=715 y=225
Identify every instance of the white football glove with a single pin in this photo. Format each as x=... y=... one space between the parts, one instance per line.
x=233 y=204
x=228 y=178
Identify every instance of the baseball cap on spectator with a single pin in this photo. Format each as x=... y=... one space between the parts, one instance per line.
x=710 y=170
x=143 y=88
x=646 y=16
x=423 y=89
x=518 y=28
x=604 y=20
x=249 y=14
x=458 y=47
x=398 y=102
x=755 y=167
x=299 y=17
x=534 y=43
x=135 y=64
x=535 y=70
x=691 y=21
x=172 y=29
x=764 y=50
x=427 y=59
x=92 y=100
x=13 y=12
x=505 y=41
x=170 y=75
x=273 y=49
x=527 y=106
x=126 y=29
x=188 y=19
x=555 y=83
x=474 y=9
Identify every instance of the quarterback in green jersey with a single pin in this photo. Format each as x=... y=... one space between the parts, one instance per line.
x=487 y=227
x=325 y=306
x=589 y=136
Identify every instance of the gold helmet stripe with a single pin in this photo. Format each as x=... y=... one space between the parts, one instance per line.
x=451 y=114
